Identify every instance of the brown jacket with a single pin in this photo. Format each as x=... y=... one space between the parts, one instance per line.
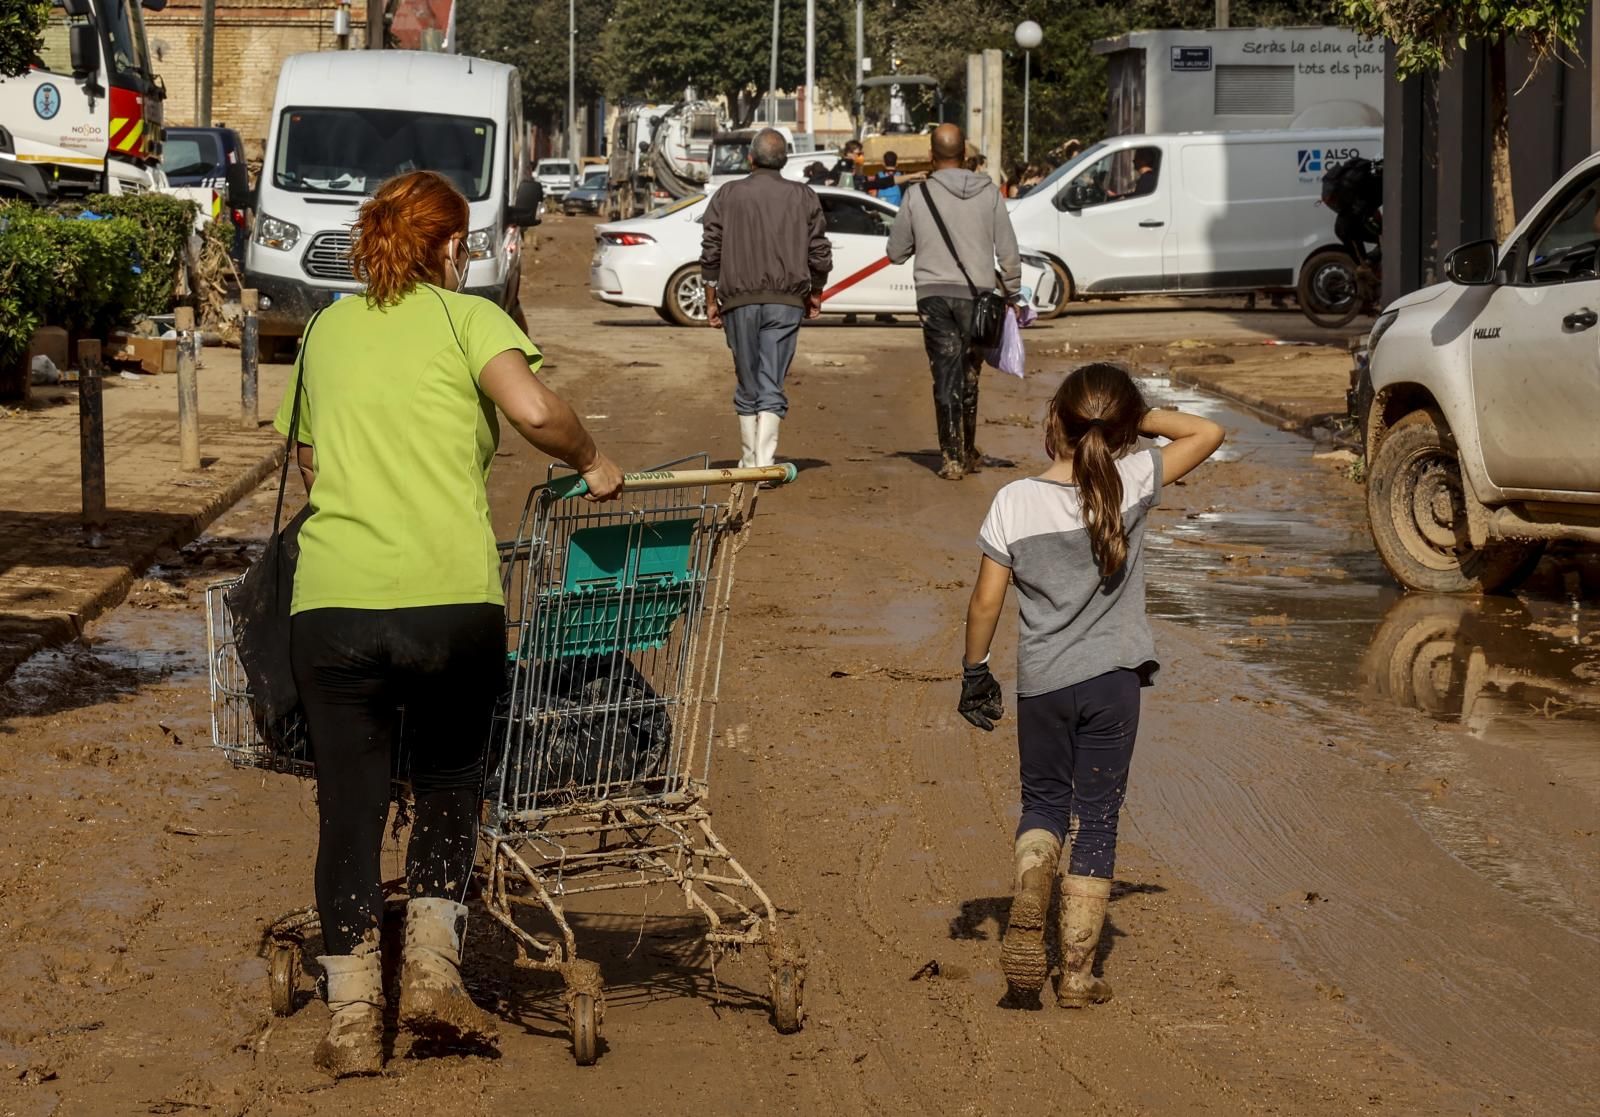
x=765 y=241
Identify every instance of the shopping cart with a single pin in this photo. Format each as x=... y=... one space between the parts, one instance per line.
x=599 y=774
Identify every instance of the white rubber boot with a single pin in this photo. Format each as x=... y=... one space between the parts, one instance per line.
x=767 y=425
x=354 y=1043
x=434 y=1002
x=747 y=441
x=1083 y=914
x=1022 y=956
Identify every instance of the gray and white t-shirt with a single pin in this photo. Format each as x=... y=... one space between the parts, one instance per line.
x=1075 y=625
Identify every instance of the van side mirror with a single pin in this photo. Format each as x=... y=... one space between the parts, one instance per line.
x=524 y=208
x=1475 y=264
x=1073 y=197
x=238 y=182
x=83 y=46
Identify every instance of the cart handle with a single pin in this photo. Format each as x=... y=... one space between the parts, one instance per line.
x=573 y=485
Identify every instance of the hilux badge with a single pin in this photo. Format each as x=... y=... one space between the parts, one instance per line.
x=1485 y=333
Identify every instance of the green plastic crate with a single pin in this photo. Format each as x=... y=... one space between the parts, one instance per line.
x=643 y=567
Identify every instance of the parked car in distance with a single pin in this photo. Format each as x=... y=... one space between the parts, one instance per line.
x=1483 y=427
x=654 y=261
x=589 y=196
x=1193 y=214
x=556 y=176
x=212 y=157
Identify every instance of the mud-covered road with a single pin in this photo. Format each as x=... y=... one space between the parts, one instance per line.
x=1359 y=871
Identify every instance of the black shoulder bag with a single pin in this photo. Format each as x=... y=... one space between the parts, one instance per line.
x=988 y=307
x=260 y=602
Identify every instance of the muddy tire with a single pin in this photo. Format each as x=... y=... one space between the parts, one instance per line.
x=1416 y=507
x=686 y=297
x=585 y=1029
x=1064 y=292
x=665 y=315
x=787 y=988
x=283 y=977
x=1328 y=291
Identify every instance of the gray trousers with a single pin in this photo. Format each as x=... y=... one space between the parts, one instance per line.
x=763 y=338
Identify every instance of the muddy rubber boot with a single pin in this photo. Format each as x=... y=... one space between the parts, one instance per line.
x=354 y=1043
x=1022 y=957
x=953 y=465
x=434 y=1003
x=747 y=441
x=969 y=445
x=767 y=424
x=1083 y=914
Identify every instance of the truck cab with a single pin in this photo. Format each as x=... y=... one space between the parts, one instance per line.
x=343 y=123
x=1483 y=427
x=86 y=118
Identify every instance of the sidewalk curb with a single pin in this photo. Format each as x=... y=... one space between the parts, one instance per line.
x=1308 y=427
x=67 y=627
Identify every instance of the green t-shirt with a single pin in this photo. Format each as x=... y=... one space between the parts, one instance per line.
x=403 y=439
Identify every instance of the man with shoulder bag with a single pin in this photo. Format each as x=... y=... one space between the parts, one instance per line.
x=957 y=226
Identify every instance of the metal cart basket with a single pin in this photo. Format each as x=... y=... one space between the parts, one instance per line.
x=598 y=773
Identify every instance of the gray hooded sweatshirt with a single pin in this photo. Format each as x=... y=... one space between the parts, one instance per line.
x=975 y=214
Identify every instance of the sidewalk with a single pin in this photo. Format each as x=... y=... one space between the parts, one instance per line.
x=1302 y=385
x=51 y=583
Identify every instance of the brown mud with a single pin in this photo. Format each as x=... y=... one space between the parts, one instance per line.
x=1358 y=871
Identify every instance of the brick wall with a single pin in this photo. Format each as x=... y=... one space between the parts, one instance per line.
x=251 y=42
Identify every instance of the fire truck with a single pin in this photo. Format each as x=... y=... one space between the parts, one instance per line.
x=86 y=117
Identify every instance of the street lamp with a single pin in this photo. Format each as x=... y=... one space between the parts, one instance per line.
x=1029 y=36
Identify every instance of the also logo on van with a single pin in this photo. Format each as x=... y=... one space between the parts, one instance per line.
x=1316 y=160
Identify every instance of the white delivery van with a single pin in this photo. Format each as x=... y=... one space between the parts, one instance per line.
x=1199 y=213
x=343 y=122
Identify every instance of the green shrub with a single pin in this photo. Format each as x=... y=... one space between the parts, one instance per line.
x=167 y=223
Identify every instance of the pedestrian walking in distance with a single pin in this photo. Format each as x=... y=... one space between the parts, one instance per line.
x=397 y=598
x=765 y=258
x=1072 y=540
x=953 y=262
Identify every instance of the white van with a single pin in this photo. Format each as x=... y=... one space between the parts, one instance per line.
x=343 y=122
x=1197 y=213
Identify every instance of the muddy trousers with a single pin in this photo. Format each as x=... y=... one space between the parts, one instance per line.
x=947 y=336
x=1076 y=745
x=436 y=670
x=763 y=338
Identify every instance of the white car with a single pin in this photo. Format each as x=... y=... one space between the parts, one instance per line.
x=556 y=176
x=654 y=261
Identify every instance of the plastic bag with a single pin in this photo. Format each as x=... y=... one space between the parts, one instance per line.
x=1008 y=355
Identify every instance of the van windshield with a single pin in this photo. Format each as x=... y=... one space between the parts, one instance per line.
x=351 y=151
x=1069 y=167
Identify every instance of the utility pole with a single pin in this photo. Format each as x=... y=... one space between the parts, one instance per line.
x=811 y=64
x=772 y=78
x=1222 y=13
x=208 y=46
x=375 y=24
x=858 y=100
x=572 y=87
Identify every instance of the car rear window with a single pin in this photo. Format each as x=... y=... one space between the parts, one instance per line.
x=198 y=153
x=555 y=168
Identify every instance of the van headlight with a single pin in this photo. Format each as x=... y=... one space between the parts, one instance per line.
x=273 y=233
x=1381 y=327
x=480 y=244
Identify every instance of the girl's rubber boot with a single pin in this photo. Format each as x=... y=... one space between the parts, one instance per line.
x=354 y=1043
x=1022 y=956
x=767 y=424
x=434 y=1002
x=1083 y=914
x=747 y=441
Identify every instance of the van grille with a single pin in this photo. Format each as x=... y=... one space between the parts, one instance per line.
x=1255 y=90
x=328 y=256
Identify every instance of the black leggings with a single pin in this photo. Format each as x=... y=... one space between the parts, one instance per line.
x=1076 y=745
x=356 y=669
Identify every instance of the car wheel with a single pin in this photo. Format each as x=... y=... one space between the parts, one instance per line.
x=686 y=296
x=665 y=315
x=1328 y=291
x=1416 y=506
x=1064 y=292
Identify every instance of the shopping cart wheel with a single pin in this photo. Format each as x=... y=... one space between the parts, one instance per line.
x=787 y=981
x=283 y=977
x=585 y=1029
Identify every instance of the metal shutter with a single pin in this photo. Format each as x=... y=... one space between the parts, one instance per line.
x=1254 y=90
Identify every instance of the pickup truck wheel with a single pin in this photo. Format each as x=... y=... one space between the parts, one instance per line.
x=1063 y=293
x=1328 y=291
x=1416 y=506
x=686 y=296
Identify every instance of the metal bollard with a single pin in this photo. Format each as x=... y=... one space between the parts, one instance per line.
x=249 y=360
x=188 y=392
x=92 y=443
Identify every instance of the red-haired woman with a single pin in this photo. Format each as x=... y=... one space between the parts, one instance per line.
x=397 y=597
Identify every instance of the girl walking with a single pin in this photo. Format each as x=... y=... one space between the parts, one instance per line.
x=1072 y=539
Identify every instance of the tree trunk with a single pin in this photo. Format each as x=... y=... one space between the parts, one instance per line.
x=1505 y=208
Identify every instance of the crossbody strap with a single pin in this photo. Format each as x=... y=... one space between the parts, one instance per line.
x=927 y=196
x=294 y=420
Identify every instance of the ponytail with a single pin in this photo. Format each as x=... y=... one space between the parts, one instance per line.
x=1094 y=419
x=1100 y=486
x=401 y=232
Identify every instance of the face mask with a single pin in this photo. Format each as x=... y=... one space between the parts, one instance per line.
x=459 y=261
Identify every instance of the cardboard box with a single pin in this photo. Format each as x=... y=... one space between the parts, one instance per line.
x=151 y=354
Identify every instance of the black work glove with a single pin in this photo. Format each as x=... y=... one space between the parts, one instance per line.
x=981 y=702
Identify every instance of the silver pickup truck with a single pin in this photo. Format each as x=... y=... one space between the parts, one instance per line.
x=1483 y=433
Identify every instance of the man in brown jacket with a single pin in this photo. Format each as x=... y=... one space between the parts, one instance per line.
x=765 y=257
